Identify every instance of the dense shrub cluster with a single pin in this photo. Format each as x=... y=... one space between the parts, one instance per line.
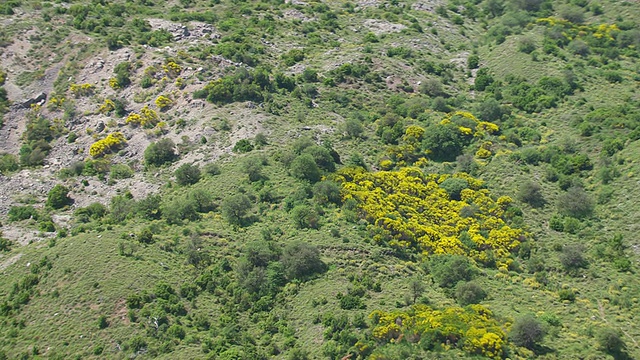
x=243 y=85
x=408 y=209
x=36 y=138
x=472 y=329
x=146 y=118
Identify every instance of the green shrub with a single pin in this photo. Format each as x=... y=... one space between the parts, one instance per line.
x=243 y=146
x=567 y=295
x=433 y=88
x=145 y=236
x=490 y=110
x=293 y=57
x=612 y=146
x=18 y=213
x=93 y=211
x=454 y=186
x=473 y=61
x=326 y=192
x=176 y=331
x=47 y=226
x=252 y=166
x=187 y=174
x=5 y=244
x=483 y=79
x=526 y=45
x=353 y=128
x=8 y=163
x=180 y=209
x=572 y=13
x=241 y=86
x=212 y=169
x=571 y=225
x=58 y=197
x=260 y=140
x=448 y=270
x=102 y=322
x=147 y=208
x=120 y=171
x=160 y=153
x=351 y=302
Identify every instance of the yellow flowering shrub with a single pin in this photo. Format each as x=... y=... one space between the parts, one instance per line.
x=107 y=145
x=483 y=153
x=163 y=102
x=79 y=90
x=146 y=118
x=114 y=84
x=464 y=119
x=411 y=149
x=409 y=209
x=134 y=118
x=55 y=102
x=386 y=164
x=472 y=329
x=172 y=69
x=572 y=31
x=107 y=107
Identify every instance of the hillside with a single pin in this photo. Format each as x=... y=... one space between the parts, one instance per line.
x=227 y=179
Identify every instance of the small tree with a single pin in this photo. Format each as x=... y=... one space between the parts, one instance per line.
x=187 y=174
x=572 y=258
x=326 y=192
x=235 y=207
x=353 y=128
x=417 y=288
x=301 y=260
x=304 y=167
x=433 y=88
x=305 y=217
x=469 y=293
x=58 y=197
x=531 y=193
x=526 y=331
x=252 y=166
x=444 y=141
x=575 y=203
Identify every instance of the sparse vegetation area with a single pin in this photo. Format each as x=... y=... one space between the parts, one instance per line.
x=319 y=180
